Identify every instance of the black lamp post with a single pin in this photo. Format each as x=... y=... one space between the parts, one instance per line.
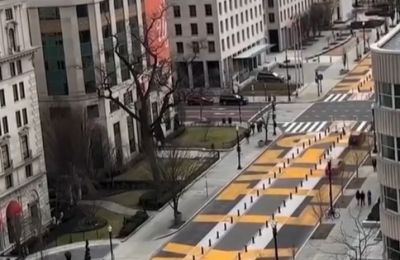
x=240 y=111
x=111 y=245
x=365 y=46
x=274 y=234
x=373 y=127
x=238 y=147
x=287 y=64
x=332 y=213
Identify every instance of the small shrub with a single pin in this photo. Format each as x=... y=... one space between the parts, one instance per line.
x=130 y=224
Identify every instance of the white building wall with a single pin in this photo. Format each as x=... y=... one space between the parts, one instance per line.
x=25 y=189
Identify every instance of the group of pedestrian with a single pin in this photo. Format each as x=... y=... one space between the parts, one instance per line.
x=360 y=197
x=251 y=130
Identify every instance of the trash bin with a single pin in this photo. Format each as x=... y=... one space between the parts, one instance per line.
x=261 y=143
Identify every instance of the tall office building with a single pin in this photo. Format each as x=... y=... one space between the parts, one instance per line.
x=24 y=203
x=385 y=70
x=77 y=40
x=215 y=43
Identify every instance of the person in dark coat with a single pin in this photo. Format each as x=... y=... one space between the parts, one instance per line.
x=253 y=127
x=374 y=164
x=369 y=197
x=358 y=197
x=259 y=126
x=247 y=135
x=362 y=198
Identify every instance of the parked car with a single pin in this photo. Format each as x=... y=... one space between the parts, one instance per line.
x=233 y=99
x=268 y=76
x=199 y=100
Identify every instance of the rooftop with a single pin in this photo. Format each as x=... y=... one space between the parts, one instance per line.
x=393 y=43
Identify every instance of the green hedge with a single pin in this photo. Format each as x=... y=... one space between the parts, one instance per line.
x=130 y=224
x=152 y=200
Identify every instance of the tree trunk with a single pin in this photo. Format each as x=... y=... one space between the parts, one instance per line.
x=148 y=144
x=177 y=214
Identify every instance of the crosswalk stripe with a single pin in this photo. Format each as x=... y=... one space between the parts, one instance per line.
x=305 y=127
x=297 y=128
x=290 y=127
x=320 y=127
x=286 y=124
x=329 y=97
x=342 y=98
x=361 y=126
x=336 y=97
x=314 y=126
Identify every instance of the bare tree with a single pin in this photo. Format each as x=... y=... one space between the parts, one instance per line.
x=357 y=240
x=151 y=73
x=178 y=168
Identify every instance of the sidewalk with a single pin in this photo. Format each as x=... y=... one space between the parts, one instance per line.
x=111 y=206
x=329 y=248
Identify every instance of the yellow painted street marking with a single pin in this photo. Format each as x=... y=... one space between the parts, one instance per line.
x=166 y=258
x=311 y=155
x=233 y=191
x=215 y=254
x=292 y=141
x=209 y=218
x=277 y=191
x=299 y=172
x=270 y=156
x=252 y=177
x=266 y=253
x=180 y=248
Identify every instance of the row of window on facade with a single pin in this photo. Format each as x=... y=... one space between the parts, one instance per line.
x=192 y=10
x=234 y=4
x=236 y=39
x=221 y=23
x=15 y=69
x=289 y=11
x=388 y=95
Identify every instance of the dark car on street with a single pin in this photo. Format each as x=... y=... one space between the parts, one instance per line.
x=199 y=101
x=268 y=76
x=233 y=99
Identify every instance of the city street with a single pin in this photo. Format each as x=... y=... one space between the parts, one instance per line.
x=216 y=113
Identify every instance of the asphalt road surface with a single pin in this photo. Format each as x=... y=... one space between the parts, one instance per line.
x=353 y=110
x=215 y=113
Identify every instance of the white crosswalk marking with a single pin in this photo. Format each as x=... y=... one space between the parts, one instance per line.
x=361 y=126
x=297 y=127
x=337 y=97
x=304 y=127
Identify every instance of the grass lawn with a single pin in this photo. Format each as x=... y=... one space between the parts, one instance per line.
x=273 y=89
x=113 y=219
x=205 y=136
x=128 y=199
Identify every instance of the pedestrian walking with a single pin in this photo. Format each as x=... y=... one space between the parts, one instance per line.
x=247 y=135
x=369 y=197
x=374 y=164
x=362 y=198
x=253 y=127
x=358 y=197
x=259 y=126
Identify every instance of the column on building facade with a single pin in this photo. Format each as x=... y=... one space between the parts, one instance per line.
x=190 y=74
x=206 y=78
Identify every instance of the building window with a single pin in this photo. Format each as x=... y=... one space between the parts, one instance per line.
x=393 y=248
x=167 y=120
x=118 y=4
x=5 y=156
x=21 y=90
x=208 y=9
x=196 y=47
x=81 y=11
x=113 y=106
x=390 y=198
x=128 y=97
x=15 y=92
x=2 y=98
x=19 y=67
x=12 y=69
x=385 y=94
x=220 y=8
x=211 y=47
x=178 y=29
x=192 y=10
x=25 y=146
x=24 y=116
x=194 y=29
x=9 y=14
x=5 y=125
x=9 y=181
x=18 y=118
x=271 y=17
x=154 y=111
x=210 y=28
x=179 y=47
x=177 y=11
x=131 y=134
x=223 y=44
x=221 y=25
x=28 y=171
x=92 y=111
x=12 y=41
x=388 y=147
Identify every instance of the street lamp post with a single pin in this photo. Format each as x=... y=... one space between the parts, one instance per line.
x=365 y=47
x=373 y=127
x=332 y=213
x=238 y=147
x=111 y=245
x=286 y=63
x=266 y=121
x=274 y=234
